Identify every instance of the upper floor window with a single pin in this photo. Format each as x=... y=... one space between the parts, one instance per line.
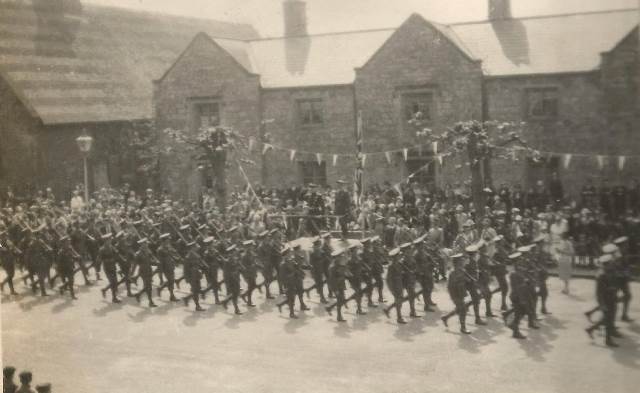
x=310 y=112
x=542 y=103
x=418 y=103
x=207 y=114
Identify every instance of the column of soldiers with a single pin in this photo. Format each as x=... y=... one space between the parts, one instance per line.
x=138 y=243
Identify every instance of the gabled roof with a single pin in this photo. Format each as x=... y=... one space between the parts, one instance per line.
x=92 y=64
x=546 y=45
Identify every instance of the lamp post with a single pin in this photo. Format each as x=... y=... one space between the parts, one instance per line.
x=85 y=142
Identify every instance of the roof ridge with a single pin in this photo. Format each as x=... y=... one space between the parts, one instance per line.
x=324 y=34
x=550 y=16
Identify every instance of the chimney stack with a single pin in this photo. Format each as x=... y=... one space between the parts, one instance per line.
x=499 y=9
x=295 y=18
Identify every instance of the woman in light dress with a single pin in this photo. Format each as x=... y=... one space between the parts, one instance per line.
x=564 y=252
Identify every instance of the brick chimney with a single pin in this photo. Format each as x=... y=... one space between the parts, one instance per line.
x=499 y=9
x=295 y=18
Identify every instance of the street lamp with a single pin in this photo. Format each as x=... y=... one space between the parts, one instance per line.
x=85 y=142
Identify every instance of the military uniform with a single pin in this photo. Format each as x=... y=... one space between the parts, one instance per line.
x=317 y=262
x=167 y=256
x=457 y=286
x=395 y=282
x=145 y=265
x=231 y=273
x=338 y=273
x=249 y=271
x=606 y=294
x=520 y=297
x=65 y=262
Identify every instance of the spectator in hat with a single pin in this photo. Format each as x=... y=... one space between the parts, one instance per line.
x=25 y=382
x=8 y=386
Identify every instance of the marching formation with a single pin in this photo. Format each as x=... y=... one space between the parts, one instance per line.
x=147 y=247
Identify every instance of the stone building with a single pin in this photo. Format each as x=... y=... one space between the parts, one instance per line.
x=573 y=78
x=66 y=67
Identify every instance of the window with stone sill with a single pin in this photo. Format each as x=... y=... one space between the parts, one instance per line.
x=542 y=103
x=310 y=112
x=415 y=103
x=312 y=172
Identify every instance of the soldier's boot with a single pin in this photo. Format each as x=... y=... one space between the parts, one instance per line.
x=216 y=298
x=11 y=288
x=412 y=308
x=268 y=292
x=340 y=318
x=236 y=310
x=590 y=330
x=249 y=300
x=114 y=297
x=292 y=314
x=43 y=290
x=172 y=296
x=185 y=300
x=517 y=334
x=532 y=322
x=197 y=303
x=399 y=314
x=303 y=306
x=445 y=320
x=609 y=342
x=73 y=293
x=480 y=322
x=463 y=325
x=98 y=278
x=503 y=305
x=488 y=312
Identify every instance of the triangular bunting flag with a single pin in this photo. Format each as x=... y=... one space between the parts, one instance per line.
x=292 y=155
x=435 y=147
x=335 y=159
x=364 y=159
x=600 y=160
x=621 y=161
x=566 y=160
x=266 y=148
x=405 y=153
x=387 y=155
x=319 y=158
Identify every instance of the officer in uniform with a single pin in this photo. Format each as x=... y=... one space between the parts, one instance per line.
x=607 y=295
x=338 y=273
x=520 y=296
x=213 y=261
x=379 y=259
x=65 y=261
x=367 y=259
x=167 y=256
x=457 y=287
x=272 y=262
x=125 y=253
x=327 y=251
x=395 y=282
x=292 y=276
x=499 y=269
x=539 y=260
x=424 y=270
x=249 y=269
x=317 y=262
x=107 y=257
x=473 y=284
x=38 y=261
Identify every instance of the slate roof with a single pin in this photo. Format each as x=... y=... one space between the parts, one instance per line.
x=72 y=63
x=546 y=45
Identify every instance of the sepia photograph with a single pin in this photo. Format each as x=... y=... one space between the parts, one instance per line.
x=292 y=196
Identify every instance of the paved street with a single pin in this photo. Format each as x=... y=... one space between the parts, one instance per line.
x=93 y=346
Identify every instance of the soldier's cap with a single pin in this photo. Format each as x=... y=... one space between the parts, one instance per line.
x=620 y=240
x=419 y=240
x=274 y=230
x=263 y=234
x=500 y=213
x=518 y=218
x=404 y=246
x=539 y=238
x=325 y=235
x=25 y=375
x=285 y=250
x=394 y=252
x=365 y=240
x=137 y=222
x=231 y=248
x=232 y=229
x=143 y=240
x=487 y=190
x=605 y=259
x=524 y=248
x=542 y=216
x=457 y=257
x=472 y=248
x=65 y=238
x=342 y=181
x=515 y=255
x=375 y=238
x=248 y=243
x=164 y=236
x=481 y=243
x=184 y=227
x=515 y=210
x=609 y=248
x=468 y=223
x=207 y=240
x=191 y=243
x=107 y=236
x=337 y=253
x=497 y=238
x=459 y=208
x=121 y=234
x=312 y=185
x=201 y=227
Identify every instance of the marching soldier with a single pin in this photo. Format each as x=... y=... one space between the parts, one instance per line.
x=473 y=272
x=519 y=294
x=213 y=260
x=107 y=257
x=327 y=251
x=37 y=261
x=193 y=275
x=231 y=274
x=499 y=269
x=317 y=262
x=395 y=282
x=125 y=253
x=292 y=276
x=145 y=261
x=271 y=262
x=65 y=258
x=409 y=276
x=484 y=277
x=356 y=270
x=607 y=295
x=249 y=269
x=167 y=256
x=623 y=264
x=457 y=286
x=424 y=268
x=367 y=259
x=8 y=255
x=539 y=259
x=338 y=273
x=379 y=259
